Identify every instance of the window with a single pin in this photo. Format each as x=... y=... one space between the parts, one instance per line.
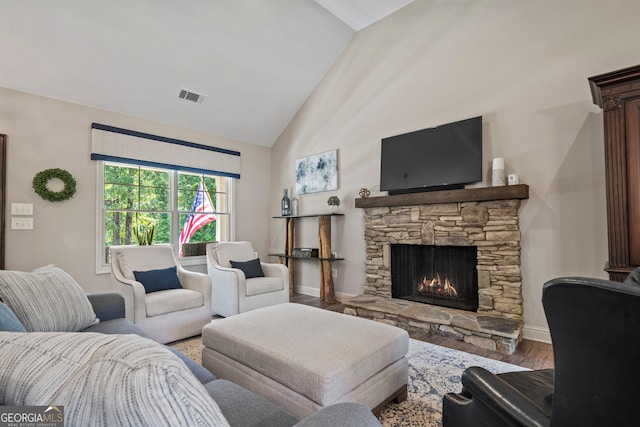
x=143 y=205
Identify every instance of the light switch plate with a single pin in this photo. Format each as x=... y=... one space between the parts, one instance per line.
x=21 y=223
x=21 y=208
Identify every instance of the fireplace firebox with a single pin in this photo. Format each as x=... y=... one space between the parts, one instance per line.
x=440 y=275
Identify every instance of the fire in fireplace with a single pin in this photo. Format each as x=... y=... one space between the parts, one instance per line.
x=437 y=286
x=440 y=275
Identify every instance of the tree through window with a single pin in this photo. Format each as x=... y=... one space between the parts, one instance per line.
x=151 y=206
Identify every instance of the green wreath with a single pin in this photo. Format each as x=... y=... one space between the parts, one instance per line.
x=41 y=180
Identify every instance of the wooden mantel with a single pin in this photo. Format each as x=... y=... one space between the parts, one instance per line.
x=483 y=194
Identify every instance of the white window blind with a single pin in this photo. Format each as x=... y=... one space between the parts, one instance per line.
x=126 y=146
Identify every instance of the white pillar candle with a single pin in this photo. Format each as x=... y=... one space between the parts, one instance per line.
x=497 y=175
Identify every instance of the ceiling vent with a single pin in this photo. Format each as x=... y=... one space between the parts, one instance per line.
x=187 y=95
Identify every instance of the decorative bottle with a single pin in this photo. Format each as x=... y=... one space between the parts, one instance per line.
x=286 y=204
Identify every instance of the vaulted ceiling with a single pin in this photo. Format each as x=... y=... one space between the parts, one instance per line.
x=254 y=62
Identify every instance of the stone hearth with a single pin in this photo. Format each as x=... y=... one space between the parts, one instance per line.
x=483 y=217
x=490 y=332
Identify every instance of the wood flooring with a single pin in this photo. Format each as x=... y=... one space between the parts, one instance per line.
x=530 y=354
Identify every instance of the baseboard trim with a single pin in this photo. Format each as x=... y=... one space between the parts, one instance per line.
x=315 y=292
x=307 y=290
x=536 y=333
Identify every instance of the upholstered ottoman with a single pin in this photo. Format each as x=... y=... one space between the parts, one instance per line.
x=304 y=358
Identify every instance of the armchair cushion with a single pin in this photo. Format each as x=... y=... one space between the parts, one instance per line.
x=237 y=251
x=8 y=320
x=250 y=268
x=47 y=300
x=158 y=280
x=144 y=258
x=171 y=300
x=263 y=285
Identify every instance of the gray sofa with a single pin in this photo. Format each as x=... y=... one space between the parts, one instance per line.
x=240 y=406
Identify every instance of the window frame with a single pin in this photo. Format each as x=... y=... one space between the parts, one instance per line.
x=104 y=268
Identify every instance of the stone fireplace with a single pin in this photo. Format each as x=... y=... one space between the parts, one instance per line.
x=482 y=218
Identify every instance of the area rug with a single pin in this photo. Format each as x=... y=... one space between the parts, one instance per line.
x=433 y=371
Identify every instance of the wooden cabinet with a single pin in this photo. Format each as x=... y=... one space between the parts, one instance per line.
x=618 y=94
x=325 y=255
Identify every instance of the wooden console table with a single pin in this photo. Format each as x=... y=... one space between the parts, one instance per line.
x=325 y=257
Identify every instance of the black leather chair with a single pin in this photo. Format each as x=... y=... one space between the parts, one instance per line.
x=595 y=331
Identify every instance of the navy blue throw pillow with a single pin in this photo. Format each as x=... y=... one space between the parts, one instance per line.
x=8 y=320
x=249 y=268
x=158 y=280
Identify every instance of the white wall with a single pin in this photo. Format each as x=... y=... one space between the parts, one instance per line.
x=44 y=133
x=524 y=67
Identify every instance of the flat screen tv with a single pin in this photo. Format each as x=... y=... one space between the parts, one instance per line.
x=443 y=157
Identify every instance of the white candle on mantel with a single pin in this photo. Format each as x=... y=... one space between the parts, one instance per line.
x=497 y=175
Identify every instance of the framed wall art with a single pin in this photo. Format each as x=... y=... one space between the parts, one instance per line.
x=316 y=173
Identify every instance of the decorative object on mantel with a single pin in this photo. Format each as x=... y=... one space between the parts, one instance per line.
x=295 y=206
x=41 y=180
x=285 y=204
x=364 y=193
x=316 y=173
x=333 y=203
x=513 y=179
x=497 y=172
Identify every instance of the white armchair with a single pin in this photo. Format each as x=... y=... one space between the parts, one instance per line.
x=232 y=292
x=165 y=315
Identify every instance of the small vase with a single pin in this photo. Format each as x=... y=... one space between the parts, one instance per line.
x=333 y=208
x=498 y=173
x=295 y=206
